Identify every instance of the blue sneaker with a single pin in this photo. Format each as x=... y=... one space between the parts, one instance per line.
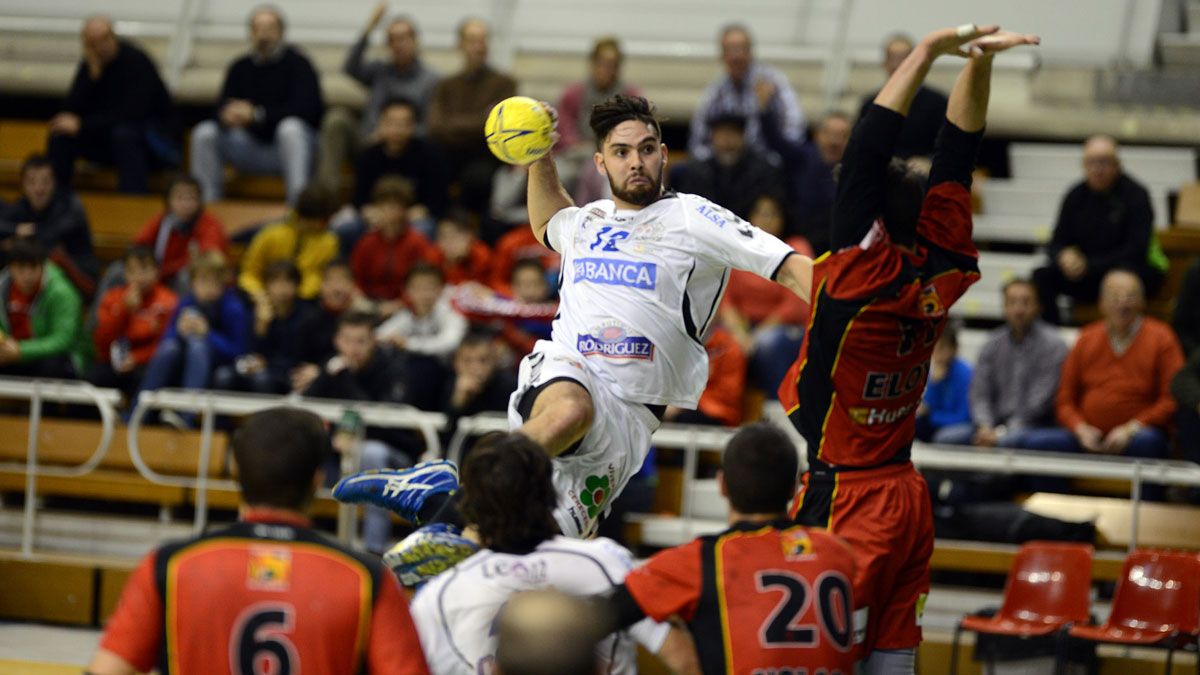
x=402 y=491
x=428 y=552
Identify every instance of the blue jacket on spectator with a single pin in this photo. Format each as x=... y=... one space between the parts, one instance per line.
x=228 y=320
x=948 y=399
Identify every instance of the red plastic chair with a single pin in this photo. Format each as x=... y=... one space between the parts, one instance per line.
x=1047 y=589
x=1157 y=603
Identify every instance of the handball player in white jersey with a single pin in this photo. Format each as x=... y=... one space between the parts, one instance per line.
x=642 y=277
x=509 y=499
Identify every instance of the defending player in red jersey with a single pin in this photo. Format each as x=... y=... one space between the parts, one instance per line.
x=766 y=595
x=267 y=595
x=901 y=255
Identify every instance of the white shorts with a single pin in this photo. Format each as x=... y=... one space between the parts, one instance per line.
x=610 y=454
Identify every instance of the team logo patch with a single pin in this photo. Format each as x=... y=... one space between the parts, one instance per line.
x=269 y=569
x=613 y=341
x=615 y=272
x=595 y=494
x=795 y=543
x=931 y=302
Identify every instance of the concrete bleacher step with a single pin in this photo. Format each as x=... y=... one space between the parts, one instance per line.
x=1180 y=49
x=983 y=300
x=88 y=534
x=1041 y=198
x=1013 y=229
x=1150 y=164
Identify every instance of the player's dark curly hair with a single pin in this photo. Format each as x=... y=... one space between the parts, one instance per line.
x=607 y=114
x=507 y=493
x=760 y=466
x=904 y=193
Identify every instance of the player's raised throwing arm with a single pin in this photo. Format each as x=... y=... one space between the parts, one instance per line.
x=546 y=195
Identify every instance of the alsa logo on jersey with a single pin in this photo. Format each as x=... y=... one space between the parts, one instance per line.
x=613 y=272
x=613 y=341
x=721 y=216
x=531 y=572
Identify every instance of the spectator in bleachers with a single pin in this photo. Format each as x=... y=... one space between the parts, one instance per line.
x=41 y=325
x=808 y=167
x=403 y=76
x=521 y=314
x=1186 y=318
x=517 y=245
x=338 y=295
x=117 y=112
x=276 y=336
x=209 y=329
x=603 y=82
x=303 y=237
x=1016 y=375
x=478 y=383
x=132 y=320
x=944 y=415
x=459 y=253
x=1114 y=396
x=383 y=257
x=399 y=151
x=53 y=216
x=734 y=173
x=1105 y=222
x=766 y=319
x=267 y=114
x=733 y=93
x=428 y=326
x=460 y=106
x=576 y=143
x=184 y=229
x=362 y=370
x=721 y=402
x=924 y=119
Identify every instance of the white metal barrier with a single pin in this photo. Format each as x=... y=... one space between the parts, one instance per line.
x=689 y=438
x=60 y=391
x=209 y=404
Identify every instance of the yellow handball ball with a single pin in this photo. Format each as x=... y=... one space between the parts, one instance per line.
x=519 y=130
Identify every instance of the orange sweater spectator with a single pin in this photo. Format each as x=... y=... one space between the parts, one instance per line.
x=518 y=244
x=382 y=258
x=721 y=402
x=183 y=229
x=130 y=322
x=460 y=254
x=1114 y=396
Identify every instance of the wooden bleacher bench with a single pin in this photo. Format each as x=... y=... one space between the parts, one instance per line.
x=70 y=442
x=1159 y=525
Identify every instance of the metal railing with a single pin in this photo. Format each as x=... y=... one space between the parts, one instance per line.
x=688 y=438
x=209 y=404
x=59 y=391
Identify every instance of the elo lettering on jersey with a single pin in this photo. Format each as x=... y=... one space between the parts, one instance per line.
x=614 y=342
x=617 y=272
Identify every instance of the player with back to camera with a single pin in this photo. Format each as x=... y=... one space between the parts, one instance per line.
x=642 y=277
x=901 y=255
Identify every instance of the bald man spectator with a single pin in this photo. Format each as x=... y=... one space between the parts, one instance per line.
x=267 y=114
x=733 y=93
x=460 y=107
x=1114 y=396
x=117 y=113
x=1105 y=222
x=401 y=76
x=924 y=119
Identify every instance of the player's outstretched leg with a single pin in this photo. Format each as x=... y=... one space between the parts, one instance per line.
x=561 y=415
x=408 y=492
x=427 y=552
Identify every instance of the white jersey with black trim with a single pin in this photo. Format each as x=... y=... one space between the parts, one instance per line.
x=639 y=289
x=455 y=612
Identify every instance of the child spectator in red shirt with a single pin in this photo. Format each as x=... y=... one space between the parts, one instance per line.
x=459 y=253
x=184 y=229
x=132 y=319
x=382 y=258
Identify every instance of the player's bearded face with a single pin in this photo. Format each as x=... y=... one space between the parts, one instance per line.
x=639 y=186
x=633 y=161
